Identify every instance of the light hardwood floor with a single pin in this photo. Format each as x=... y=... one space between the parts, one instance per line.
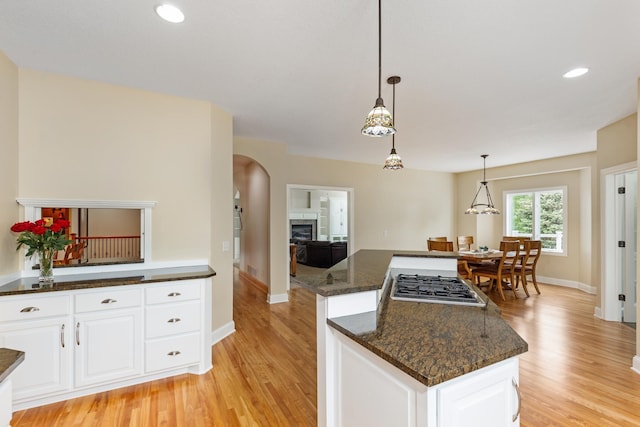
x=576 y=373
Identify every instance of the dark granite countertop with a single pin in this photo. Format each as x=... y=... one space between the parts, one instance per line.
x=9 y=360
x=363 y=271
x=29 y=285
x=430 y=342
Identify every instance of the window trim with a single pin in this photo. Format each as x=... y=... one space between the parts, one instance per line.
x=565 y=207
x=32 y=212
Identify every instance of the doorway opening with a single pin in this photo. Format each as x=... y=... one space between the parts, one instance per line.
x=319 y=226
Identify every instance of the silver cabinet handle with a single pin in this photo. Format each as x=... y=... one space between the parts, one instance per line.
x=515 y=385
x=62 y=336
x=108 y=301
x=174 y=294
x=29 y=309
x=78 y=333
x=173 y=353
x=174 y=320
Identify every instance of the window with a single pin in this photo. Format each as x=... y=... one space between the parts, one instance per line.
x=126 y=222
x=539 y=214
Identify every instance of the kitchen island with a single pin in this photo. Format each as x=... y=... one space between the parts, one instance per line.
x=99 y=331
x=387 y=362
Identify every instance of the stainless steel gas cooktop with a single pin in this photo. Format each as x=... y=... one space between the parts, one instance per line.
x=434 y=289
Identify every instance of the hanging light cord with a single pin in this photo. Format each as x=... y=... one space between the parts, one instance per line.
x=393 y=114
x=379 y=50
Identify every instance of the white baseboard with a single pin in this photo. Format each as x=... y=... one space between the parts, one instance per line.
x=636 y=364
x=597 y=313
x=222 y=332
x=277 y=298
x=567 y=284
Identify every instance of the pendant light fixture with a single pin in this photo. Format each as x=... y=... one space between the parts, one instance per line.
x=393 y=162
x=379 y=122
x=489 y=208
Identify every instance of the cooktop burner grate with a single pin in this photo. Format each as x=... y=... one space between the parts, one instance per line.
x=440 y=289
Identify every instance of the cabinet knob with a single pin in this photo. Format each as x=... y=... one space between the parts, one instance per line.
x=174 y=320
x=173 y=353
x=174 y=294
x=29 y=309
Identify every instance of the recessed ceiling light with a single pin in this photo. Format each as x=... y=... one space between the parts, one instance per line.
x=576 y=72
x=170 y=13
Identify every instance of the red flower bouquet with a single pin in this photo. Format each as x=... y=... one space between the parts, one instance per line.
x=44 y=238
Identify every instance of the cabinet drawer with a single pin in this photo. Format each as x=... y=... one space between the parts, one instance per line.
x=107 y=299
x=172 y=352
x=176 y=292
x=33 y=308
x=170 y=319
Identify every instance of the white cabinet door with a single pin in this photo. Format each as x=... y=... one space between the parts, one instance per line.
x=338 y=219
x=47 y=346
x=485 y=398
x=108 y=346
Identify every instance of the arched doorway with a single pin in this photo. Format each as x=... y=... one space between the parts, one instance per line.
x=251 y=208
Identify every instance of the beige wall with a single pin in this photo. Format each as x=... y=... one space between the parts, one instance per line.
x=220 y=198
x=87 y=140
x=393 y=210
x=106 y=142
x=9 y=209
x=577 y=267
x=114 y=222
x=617 y=142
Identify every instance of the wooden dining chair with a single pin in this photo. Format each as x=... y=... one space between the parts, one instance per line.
x=464 y=243
x=520 y=239
x=503 y=270
x=527 y=267
x=439 y=245
x=438 y=239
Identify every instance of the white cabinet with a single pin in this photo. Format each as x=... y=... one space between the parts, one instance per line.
x=338 y=222
x=108 y=346
x=108 y=335
x=489 y=397
x=323 y=218
x=367 y=390
x=172 y=318
x=87 y=341
x=46 y=344
x=5 y=403
x=40 y=327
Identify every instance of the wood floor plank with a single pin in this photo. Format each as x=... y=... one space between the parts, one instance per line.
x=576 y=372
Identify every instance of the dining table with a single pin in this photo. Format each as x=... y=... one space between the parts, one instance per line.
x=476 y=256
x=479 y=256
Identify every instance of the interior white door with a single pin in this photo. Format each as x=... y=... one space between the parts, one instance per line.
x=626 y=256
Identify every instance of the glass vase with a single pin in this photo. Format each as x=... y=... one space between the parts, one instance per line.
x=46 y=266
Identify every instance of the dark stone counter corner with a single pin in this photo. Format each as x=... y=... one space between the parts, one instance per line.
x=68 y=282
x=363 y=271
x=9 y=360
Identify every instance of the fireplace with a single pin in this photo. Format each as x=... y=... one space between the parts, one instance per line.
x=302 y=229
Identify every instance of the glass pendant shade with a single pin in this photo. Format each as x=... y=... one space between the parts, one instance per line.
x=379 y=121
x=393 y=162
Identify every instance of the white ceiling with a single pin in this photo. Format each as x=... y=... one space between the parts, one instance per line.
x=477 y=76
